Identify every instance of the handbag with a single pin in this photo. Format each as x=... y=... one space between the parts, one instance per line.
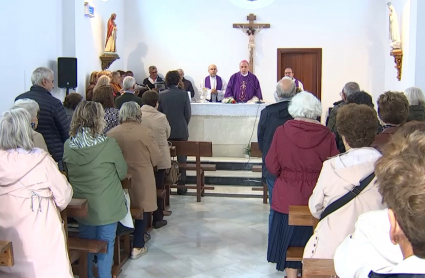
x=347 y=197
x=172 y=175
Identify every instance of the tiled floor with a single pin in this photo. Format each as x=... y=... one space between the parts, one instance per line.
x=219 y=237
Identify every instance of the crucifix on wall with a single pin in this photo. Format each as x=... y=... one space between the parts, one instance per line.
x=251 y=29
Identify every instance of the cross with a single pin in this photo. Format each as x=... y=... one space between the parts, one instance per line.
x=251 y=29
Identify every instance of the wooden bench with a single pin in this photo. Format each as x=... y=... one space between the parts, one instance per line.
x=198 y=150
x=299 y=216
x=6 y=253
x=255 y=152
x=317 y=268
x=167 y=187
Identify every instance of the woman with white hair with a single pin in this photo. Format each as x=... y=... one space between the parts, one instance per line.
x=32 y=192
x=102 y=81
x=416 y=99
x=142 y=154
x=32 y=107
x=95 y=167
x=298 y=150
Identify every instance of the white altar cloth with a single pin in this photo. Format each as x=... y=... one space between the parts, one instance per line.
x=227 y=109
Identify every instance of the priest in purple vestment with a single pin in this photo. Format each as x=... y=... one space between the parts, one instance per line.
x=243 y=85
x=213 y=87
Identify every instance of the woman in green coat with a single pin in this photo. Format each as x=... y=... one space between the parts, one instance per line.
x=96 y=166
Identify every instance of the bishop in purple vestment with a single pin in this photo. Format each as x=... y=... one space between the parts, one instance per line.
x=243 y=85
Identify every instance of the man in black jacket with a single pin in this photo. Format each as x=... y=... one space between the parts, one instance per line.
x=52 y=122
x=271 y=118
x=128 y=86
x=187 y=84
x=175 y=104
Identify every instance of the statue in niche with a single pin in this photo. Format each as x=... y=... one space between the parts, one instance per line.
x=394 y=28
x=111 y=35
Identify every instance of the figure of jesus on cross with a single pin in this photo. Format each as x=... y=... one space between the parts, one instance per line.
x=251 y=29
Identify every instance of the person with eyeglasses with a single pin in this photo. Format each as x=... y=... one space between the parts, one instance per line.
x=152 y=78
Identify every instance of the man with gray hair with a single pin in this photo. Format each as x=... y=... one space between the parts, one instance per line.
x=52 y=122
x=128 y=86
x=349 y=88
x=271 y=118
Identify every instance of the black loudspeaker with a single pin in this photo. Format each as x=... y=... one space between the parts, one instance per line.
x=67 y=72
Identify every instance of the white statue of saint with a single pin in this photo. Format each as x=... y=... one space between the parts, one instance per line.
x=394 y=28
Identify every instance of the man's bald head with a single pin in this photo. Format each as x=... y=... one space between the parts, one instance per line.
x=212 y=69
x=286 y=88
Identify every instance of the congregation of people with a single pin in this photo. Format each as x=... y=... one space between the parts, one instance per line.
x=360 y=175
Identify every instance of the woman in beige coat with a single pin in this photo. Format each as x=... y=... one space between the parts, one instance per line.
x=141 y=153
x=32 y=192
x=157 y=122
x=33 y=108
x=340 y=174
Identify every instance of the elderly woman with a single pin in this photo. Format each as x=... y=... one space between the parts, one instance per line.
x=393 y=110
x=339 y=177
x=116 y=83
x=32 y=192
x=296 y=155
x=141 y=153
x=95 y=167
x=416 y=99
x=104 y=95
x=32 y=107
x=93 y=80
x=158 y=124
x=70 y=103
x=392 y=241
x=102 y=81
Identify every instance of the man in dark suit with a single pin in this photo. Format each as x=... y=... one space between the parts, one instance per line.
x=52 y=122
x=271 y=118
x=187 y=84
x=129 y=85
x=175 y=104
x=152 y=79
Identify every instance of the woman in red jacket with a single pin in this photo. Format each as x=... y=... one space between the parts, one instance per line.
x=295 y=157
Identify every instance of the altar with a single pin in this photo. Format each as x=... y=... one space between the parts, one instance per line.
x=230 y=127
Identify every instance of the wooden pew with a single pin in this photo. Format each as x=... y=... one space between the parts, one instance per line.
x=198 y=150
x=6 y=253
x=167 y=187
x=299 y=216
x=317 y=268
x=255 y=152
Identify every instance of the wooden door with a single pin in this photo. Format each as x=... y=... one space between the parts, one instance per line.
x=306 y=64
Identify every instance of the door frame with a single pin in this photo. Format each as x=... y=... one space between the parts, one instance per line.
x=317 y=51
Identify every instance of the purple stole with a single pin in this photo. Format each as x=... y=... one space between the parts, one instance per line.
x=296 y=83
x=219 y=82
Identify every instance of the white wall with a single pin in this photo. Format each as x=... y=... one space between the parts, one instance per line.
x=420 y=46
x=192 y=34
x=31 y=37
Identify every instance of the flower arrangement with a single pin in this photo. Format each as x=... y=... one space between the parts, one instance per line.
x=228 y=100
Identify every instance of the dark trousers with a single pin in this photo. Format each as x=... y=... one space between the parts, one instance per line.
x=139 y=231
x=181 y=159
x=158 y=215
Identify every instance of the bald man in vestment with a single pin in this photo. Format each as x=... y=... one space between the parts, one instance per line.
x=243 y=86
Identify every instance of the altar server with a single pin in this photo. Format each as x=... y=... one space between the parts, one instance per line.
x=243 y=86
x=213 y=85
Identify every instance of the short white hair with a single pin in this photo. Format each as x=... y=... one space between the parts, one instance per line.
x=130 y=112
x=28 y=104
x=415 y=96
x=305 y=105
x=128 y=83
x=15 y=130
x=40 y=74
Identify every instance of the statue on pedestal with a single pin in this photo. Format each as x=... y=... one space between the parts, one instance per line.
x=394 y=28
x=110 y=54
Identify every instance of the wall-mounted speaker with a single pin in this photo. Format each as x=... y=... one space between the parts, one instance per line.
x=67 y=72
